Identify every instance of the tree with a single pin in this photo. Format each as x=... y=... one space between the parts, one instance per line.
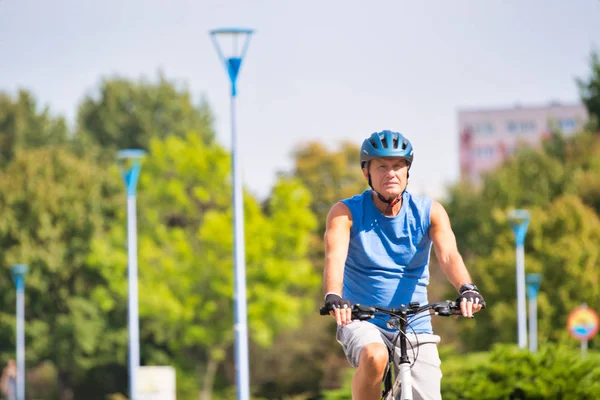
x=185 y=257
x=23 y=126
x=589 y=90
x=329 y=175
x=557 y=185
x=52 y=205
x=128 y=114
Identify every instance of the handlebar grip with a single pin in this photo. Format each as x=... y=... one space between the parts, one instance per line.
x=359 y=312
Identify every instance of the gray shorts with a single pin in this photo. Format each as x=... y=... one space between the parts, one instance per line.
x=426 y=372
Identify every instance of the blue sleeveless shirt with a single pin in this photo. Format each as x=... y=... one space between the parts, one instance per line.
x=388 y=257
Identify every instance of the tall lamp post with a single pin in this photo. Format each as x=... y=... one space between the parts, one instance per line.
x=129 y=162
x=18 y=272
x=519 y=220
x=239 y=39
x=533 y=286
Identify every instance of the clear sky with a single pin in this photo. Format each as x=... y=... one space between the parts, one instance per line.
x=315 y=70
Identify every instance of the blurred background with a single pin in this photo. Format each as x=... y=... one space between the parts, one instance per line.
x=501 y=100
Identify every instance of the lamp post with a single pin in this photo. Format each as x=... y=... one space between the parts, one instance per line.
x=18 y=272
x=519 y=220
x=239 y=39
x=129 y=162
x=533 y=286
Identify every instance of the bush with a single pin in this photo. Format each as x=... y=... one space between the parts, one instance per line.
x=554 y=372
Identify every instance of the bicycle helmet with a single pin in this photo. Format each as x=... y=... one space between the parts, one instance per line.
x=386 y=144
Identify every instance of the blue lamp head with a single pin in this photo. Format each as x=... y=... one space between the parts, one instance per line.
x=533 y=284
x=231 y=45
x=131 y=154
x=18 y=272
x=519 y=221
x=129 y=163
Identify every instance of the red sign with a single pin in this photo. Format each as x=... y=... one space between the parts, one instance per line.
x=583 y=323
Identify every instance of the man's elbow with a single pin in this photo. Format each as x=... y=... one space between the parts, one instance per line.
x=449 y=259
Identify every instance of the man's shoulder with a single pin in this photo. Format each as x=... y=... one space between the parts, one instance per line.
x=422 y=200
x=356 y=198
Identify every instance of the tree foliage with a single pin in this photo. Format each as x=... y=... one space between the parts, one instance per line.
x=186 y=256
x=554 y=372
x=52 y=205
x=330 y=175
x=128 y=114
x=561 y=241
x=24 y=126
x=589 y=90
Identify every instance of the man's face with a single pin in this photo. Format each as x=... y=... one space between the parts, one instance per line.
x=389 y=176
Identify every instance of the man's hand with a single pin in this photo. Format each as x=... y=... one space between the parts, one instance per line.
x=471 y=301
x=341 y=309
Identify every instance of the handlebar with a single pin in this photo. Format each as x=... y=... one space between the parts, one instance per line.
x=360 y=312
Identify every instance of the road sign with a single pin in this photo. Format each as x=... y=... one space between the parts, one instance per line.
x=583 y=323
x=156 y=383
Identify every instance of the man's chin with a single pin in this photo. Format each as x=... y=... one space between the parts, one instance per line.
x=391 y=194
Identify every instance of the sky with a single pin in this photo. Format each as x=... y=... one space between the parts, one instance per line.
x=315 y=70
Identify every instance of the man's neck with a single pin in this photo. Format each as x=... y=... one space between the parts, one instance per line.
x=384 y=207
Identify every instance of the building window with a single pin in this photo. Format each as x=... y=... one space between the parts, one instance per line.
x=527 y=126
x=483 y=129
x=521 y=126
x=484 y=152
x=567 y=125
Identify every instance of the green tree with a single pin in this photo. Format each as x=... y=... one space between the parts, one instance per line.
x=51 y=206
x=557 y=184
x=24 y=126
x=186 y=264
x=128 y=114
x=589 y=90
x=330 y=175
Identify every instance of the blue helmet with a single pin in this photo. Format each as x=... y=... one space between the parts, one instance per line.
x=386 y=144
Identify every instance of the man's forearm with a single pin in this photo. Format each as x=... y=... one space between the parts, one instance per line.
x=455 y=270
x=333 y=277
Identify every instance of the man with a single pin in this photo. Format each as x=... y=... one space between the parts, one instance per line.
x=377 y=250
x=8 y=382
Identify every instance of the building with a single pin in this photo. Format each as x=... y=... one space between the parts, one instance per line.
x=489 y=136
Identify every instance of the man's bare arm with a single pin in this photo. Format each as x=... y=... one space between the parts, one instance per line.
x=451 y=261
x=337 y=239
x=445 y=247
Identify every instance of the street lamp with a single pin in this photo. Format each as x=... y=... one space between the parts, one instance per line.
x=129 y=162
x=238 y=39
x=533 y=286
x=18 y=272
x=519 y=221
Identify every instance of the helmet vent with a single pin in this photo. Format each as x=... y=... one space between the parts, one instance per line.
x=404 y=144
x=395 y=143
x=374 y=143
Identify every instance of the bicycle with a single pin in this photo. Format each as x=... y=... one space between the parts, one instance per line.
x=399 y=320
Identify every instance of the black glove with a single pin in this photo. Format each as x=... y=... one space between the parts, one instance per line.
x=471 y=293
x=333 y=301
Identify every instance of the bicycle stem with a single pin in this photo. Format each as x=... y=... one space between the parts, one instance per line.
x=403 y=347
